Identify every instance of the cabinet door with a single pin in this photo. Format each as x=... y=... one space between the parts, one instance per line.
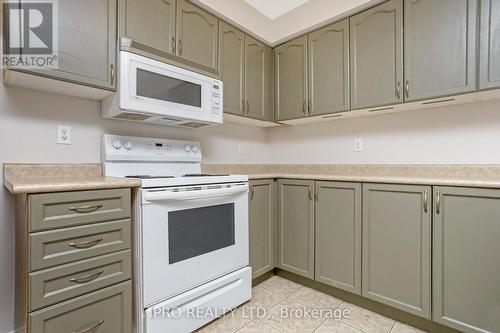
x=338 y=235
x=150 y=22
x=291 y=79
x=261 y=224
x=466 y=269
x=231 y=67
x=259 y=73
x=329 y=69
x=489 y=75
x=296 y=227
x=440 y=48
x=87 y=47
x=397 y=246
x=377 y=56
x=197 y=35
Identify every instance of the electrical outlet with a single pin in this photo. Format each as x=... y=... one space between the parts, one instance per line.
x=241 y=148
x=63 y=135
x=358 y=145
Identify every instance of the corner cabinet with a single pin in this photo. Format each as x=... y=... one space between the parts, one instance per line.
x=440 y=48
x=262 y=226
x=329 y=69
x=338 y=235
x=489 y=58
x=197 y=35
x=296 y=226
x=150 y=22
x=291 y=79
x=397 y=246
x=87 y=52
x=377 y=56
x=466 y=269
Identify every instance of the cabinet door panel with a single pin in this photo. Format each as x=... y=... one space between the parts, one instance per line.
x=231 y=67
x=440 y=47
x=197 y=35
x=466 y=269
x=291 y=79
x=377 y=56
x=151 y=22
x=397 y=246
x=489 y=76
x=261 y=226
x=329 y=69
x=296 y=227
x=258 y=79
x=338 y=235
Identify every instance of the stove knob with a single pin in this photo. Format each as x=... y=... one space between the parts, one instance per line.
x=194 y=149
x=127 y=145
x=117 y=144
x=187 y=148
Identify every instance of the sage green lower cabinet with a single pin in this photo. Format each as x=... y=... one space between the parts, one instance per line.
x=397 y=246
x=262 y=226
x=338 y=235
x=466 y=249
x=296 y=226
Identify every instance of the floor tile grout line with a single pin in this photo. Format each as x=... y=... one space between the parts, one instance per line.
x=390 y=331
x=239 y=329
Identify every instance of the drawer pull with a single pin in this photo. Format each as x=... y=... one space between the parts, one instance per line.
x=86 y=278
x=85 y=209
x=85 y=244
x=91 y=328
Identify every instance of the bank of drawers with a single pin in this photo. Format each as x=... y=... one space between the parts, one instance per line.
x=80 y=262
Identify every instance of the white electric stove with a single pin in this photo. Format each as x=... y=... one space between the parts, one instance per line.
x=190 y=234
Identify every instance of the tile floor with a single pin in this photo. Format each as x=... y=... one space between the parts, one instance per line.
x=277 y=294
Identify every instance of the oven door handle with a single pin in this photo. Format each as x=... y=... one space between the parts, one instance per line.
x=149 y=197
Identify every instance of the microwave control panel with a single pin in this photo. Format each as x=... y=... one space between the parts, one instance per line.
x=217 y=97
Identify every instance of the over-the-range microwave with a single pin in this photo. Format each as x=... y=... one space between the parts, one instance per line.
x=152 y=91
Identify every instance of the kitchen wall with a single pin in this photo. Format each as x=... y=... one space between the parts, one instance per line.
x=28 y=122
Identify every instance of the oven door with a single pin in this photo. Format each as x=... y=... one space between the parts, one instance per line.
x=192 y=235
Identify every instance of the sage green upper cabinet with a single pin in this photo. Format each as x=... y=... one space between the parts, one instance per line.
x=329 y=69
x=87 y=52
x=291 y=79
x=197 y=35
x=262 y=226
x=466 y=270
x=397 y=247
x=259 y=79
x=338 y=235
x=231 y=67
x=296 y=226
x=489 y=69
x=377 y=56
x=440 y=48
x=150 y=22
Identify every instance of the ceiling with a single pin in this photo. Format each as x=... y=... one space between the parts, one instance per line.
x=277 y=21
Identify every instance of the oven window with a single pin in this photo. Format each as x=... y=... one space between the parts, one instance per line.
x=194 y=232
x=167 y=88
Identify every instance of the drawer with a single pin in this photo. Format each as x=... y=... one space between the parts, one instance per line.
x=57 y=247
x=66 y=209
x=106 y=311
x=61 y=283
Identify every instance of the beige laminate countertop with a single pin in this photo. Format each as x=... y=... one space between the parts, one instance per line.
x=38 y=178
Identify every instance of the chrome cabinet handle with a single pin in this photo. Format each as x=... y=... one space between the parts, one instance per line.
x=86 y=278
x=304 y=108
x=112 y=73
x=309 y=106
x=91 y=329
x=85 y=209
x=398 y=90
x=252 y=192
x=438 y=202
x=85 y=244
x=426 y=201
x=310 y=193
x=407 y=89
x=242 y=107
x=173 y=45
x=180 y=47
x=247 y=107
x=316 y=193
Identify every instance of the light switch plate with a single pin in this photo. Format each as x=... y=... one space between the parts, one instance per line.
x=64 y=135
x=358 y=145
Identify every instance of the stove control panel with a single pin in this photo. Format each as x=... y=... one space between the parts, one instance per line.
x=126 y=148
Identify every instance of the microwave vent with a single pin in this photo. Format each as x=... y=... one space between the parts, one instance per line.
x=131 y=116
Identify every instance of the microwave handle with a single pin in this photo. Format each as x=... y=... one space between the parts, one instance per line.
x=149 y=197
